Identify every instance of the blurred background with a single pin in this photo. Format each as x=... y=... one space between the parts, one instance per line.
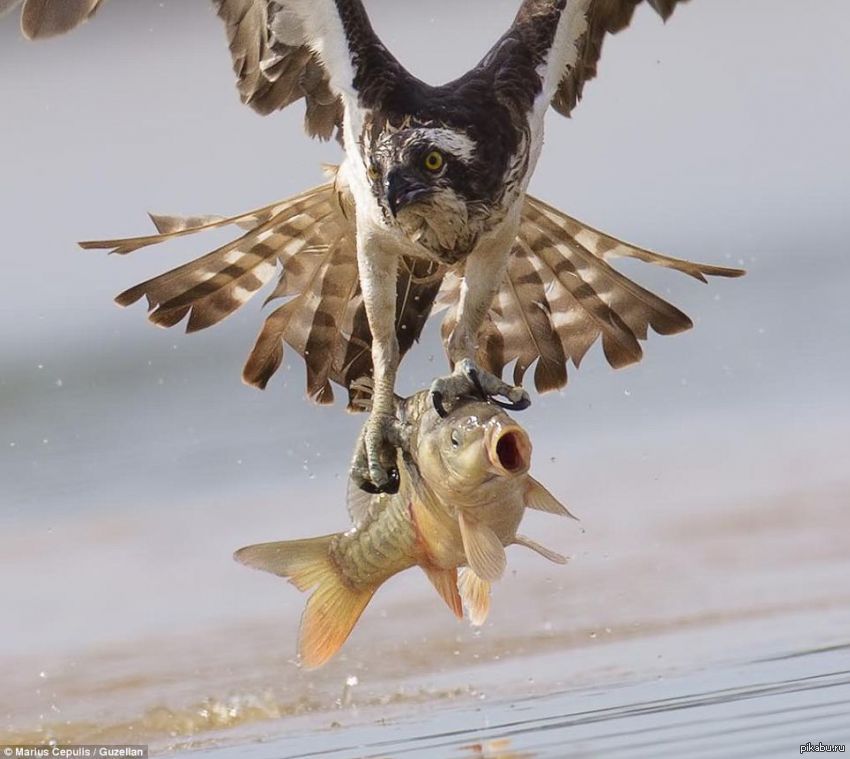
x=711 y=479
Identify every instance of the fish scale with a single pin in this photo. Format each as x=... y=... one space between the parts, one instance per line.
x=384 y=544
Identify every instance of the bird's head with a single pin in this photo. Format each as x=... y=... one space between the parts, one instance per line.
x=425 y=181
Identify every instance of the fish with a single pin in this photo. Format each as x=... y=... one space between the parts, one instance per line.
x=463 y=487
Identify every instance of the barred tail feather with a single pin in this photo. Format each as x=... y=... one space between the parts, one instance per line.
x=560 y=295
x=309 y=243
x=170 y=227
x=333 y=608
x=606 y=247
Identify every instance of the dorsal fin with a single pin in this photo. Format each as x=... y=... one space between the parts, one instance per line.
x=475 y=593
x=445 y=582
x=546 y=553
x=485 y=553
x=539 y=498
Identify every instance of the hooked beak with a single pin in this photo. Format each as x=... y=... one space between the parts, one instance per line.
x=508 y=449
x=402 y=190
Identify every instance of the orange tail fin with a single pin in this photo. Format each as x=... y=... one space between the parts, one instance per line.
x=332 y=610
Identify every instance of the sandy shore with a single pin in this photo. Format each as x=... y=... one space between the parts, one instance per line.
x=651 y=607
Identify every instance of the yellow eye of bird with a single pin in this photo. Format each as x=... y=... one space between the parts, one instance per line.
x=434 y=160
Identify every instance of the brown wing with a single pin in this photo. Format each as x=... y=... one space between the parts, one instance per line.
x=271 y=72
x=276 y=44
x=47 y=18
x=282 y=50
x=560 y=296
x=552 y=48
x=308 y=242
x=605 y=17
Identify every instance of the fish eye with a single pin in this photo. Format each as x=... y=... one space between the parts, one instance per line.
x=434 y=161
x=455 y=439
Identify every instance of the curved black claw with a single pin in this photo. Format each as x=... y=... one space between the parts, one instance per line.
x=521 y=405
x=390 y=487
x=437 y=400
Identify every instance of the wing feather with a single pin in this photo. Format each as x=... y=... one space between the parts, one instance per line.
x=604 y=17
x=47 y=18
x=322 y=51
x=527 y=312
x=552 y=48
x=560 y=296
x=309 y=242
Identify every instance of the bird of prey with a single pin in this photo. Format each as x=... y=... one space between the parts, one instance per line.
x=428 y=209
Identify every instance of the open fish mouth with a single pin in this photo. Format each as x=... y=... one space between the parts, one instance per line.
x=509 y=449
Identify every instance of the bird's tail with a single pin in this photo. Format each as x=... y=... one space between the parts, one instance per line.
x=334 y=607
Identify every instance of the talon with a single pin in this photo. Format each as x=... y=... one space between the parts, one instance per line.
x=368 y=487
x=437 y=400
x=467 y=380
x=520 y=405
x=373 y=467
x=393 y=483
x=391 y=486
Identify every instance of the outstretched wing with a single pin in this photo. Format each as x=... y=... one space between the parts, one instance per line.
x=560 y=296
x=308 y=243
x=604 y=17
x=322 y=51
x=47 y=18
x=553 y=46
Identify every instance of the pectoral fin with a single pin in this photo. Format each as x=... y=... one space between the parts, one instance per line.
x=358 y=502
x=445 y=582
x=485 y=553
x=546 y=553
x=539 y=498
x=475 y=593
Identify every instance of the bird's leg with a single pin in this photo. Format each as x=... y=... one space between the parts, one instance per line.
x=483 y=276
x=374 y=465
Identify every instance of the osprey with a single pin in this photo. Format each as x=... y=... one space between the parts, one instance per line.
x=427 y=210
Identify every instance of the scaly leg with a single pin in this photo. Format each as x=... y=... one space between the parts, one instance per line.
x=375 y=455
x=483 y=275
